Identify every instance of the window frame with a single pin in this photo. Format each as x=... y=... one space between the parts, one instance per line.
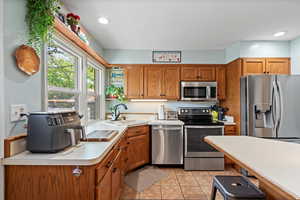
x=81 y=79
x=98 y=79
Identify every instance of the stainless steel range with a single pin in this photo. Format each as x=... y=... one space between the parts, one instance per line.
x=198 y=155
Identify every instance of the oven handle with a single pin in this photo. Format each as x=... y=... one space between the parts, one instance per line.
x=203 y=126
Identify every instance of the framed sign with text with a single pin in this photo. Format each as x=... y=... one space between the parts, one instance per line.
x=166 y=56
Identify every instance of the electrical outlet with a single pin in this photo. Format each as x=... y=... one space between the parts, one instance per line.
x=16 y=111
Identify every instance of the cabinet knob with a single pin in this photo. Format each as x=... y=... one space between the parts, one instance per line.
x=77 y=172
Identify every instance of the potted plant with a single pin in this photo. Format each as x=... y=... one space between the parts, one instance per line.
x=73 y=21
x=40 y=20
x=115 y=93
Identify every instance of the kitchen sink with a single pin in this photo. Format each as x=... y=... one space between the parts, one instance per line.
x=124 y=122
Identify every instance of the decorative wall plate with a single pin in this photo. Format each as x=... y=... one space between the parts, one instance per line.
x=27 y=60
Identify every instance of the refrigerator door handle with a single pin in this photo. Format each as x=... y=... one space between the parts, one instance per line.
x=275 y=106
x=280 y=106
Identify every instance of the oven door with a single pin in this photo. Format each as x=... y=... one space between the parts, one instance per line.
x=195 y=146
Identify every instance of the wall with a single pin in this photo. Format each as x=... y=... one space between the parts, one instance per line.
x=20 y=88
x=232 y=52
x=152 y=107
x=265 y=49
x=93 y=43
x=145 y=56
x=257 y=49
x=295 y=56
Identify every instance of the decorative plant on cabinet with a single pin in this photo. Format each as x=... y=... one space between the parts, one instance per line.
x=40 y=20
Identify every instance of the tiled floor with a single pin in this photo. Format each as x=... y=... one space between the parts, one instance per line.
x=180 y=184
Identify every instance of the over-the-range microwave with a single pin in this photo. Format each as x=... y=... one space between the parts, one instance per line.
x=198 y=91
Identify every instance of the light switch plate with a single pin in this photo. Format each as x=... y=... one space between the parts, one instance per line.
x=16 y=111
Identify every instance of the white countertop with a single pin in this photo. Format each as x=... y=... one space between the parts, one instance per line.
x=275 y=161
x=86 y=153
x=166 y=122
x=226 y=123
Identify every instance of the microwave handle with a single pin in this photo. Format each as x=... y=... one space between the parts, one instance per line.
x=208 y=92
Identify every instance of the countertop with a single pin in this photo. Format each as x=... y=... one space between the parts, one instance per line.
x=272 y=161
x=86 y=153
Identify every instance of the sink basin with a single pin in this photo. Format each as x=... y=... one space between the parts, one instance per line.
x=102 y=135
x=124 y=122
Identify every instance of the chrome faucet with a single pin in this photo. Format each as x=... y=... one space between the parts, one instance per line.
x=116 y=112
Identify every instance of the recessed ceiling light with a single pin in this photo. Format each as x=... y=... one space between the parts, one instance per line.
x=278 y=34
x=103 y=20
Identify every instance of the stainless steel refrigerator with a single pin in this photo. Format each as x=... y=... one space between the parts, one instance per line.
x=270 y=106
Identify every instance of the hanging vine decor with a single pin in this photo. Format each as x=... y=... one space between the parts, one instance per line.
x=40 y=20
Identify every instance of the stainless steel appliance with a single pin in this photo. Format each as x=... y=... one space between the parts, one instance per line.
x=50 y=132
x=198 y=155
x=198 y=91
x=167 y=144
x=270 y=106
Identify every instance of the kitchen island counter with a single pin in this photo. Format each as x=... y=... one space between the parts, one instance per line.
x=276 y=164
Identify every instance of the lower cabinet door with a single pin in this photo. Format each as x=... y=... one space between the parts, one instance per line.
x=117 y=177
x=138 y=151
x=104 y=188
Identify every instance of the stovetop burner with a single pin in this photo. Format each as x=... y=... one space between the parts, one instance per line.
x=197 y=116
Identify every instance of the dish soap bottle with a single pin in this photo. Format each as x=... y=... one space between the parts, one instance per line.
x=214 y=115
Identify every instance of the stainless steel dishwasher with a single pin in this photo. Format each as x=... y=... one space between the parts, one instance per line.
x=167 y=144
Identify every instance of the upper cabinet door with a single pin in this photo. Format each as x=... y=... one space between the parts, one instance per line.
x=189 y=73
x=278 y=66
x=153 y=82
x=134 y=82
x=171 y=82
x=252 y=66
x=221 y=80
x=207 y=73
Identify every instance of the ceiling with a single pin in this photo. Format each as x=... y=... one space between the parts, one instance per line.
x=186 y=24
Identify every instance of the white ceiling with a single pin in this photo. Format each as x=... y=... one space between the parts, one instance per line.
x=186 y=24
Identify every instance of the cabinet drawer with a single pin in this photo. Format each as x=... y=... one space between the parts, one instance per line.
x=230 y=129
x=139 y=130
x=103 y=167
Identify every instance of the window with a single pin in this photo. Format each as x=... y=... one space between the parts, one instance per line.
x=93 y=83
x=63 y=69
x=73 y=81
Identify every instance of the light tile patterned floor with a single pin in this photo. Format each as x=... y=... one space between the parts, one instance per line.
x=180 y=184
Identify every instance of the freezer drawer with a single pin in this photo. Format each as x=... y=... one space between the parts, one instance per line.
x=167 y=144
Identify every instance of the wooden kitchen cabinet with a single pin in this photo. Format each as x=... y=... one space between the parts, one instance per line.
x=207 y=74
x=189 y=73
x=153 y=82
x=229 y=130
x=161 y=82
x=134 y=81
x=138 y=148
x=221 y=81
x=117 y=177
x=171 y=82
x=104 y=188
x=278 y=66
x=198 y=73
x=256 y=66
